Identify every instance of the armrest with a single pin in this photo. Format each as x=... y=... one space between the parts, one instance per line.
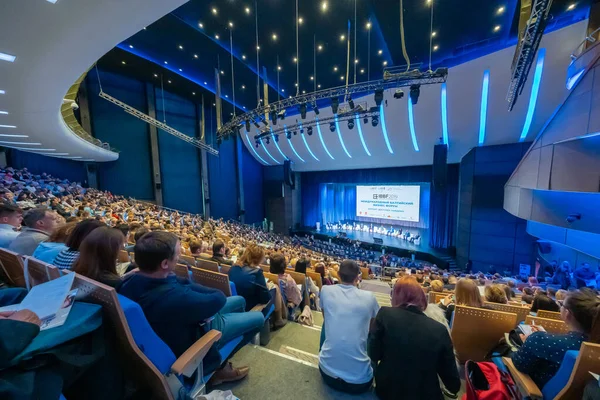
x=258 y=307
x=526 y=385
x=188 y=362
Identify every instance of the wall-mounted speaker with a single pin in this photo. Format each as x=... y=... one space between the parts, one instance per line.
x=288 y=175
x=440 y=166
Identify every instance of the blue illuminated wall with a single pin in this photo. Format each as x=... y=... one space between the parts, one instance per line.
x=488 y=235
x=252 y=172
x=38 y=164
x=223 y=181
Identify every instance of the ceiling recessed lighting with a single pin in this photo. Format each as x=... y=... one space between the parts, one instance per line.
x=497 y=28
x=123 y=62
x=300 y=20
x=319 y=85
x=324 y=6
x=144 y=28
x=39 y=150
x=195 y=55
x=500 y=10
x=205 y=83
x=335 y=68
x=384 y=63
x=193 y=93
x=433 y=33
x=320 y=47
x=304 y=92
x=356 y=61
x=180 y=70
x=257 y=47
x=247 y=10
x=2 y=91
x=243 y=86
x=214 y=11
x=244 y=107
x=380 y=52
x=7 y=57
x=342 y=37
x=217 y=37
x=243 y=56
x=571 y=6
x=180 y=47
x=362 y=71
x=200 y=25
x=295 y=59
x=279 y=68
x=7 y=126
x=156 y=75
x=230 y=24
x=169 y=81
x=312 y=78
x=342 y=77
x=3 y=112
x=131 y=46
x=296 y=84
x=227 y=96
x=166 y=62
x=7 y=135
x=222 y=73
x=213 y=104
x=21 y=143
x=283 y=90
x=369 y=25
x=436 y=47
x=274 y=36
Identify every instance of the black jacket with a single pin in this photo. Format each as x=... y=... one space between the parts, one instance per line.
x=412 y=350
x=250 y=283
x=221 y=260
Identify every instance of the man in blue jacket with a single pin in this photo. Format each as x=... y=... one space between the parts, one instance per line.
x=176 y=309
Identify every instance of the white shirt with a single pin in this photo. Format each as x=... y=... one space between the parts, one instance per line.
x=7 y=235
x=347 y=311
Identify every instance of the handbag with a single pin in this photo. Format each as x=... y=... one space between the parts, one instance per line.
x=485 y=381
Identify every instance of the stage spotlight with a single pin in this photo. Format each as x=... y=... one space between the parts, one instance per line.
x=375 y=120
x=301 y=131
x=267 y=140
x=398 y=94
x=257 y=143
x=415 y=91
x=366 y=119
x=315 y=108
x=288 y=135
x=350 y=124
x=281 y=113
x=247 y=125
x=378 y=96
x=351 y=102
x=273 y=117
x=442 y=71
x=294 y=133
x=335 y=103
x=303 y=110
x=276 y=137
x=265 y=122
x=256 y=124
x=309 y=130
x=332 y=126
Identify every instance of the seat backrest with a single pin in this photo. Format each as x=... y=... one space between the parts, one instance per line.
x=225 y=269
x=207 y=265
x=265 y=268
x=475 y=331
x=550 y=325
x=587 y=361
x=562 y=376
x=272 y=277
x=190 y=260
x=522 y=312
x=212 y=279
x=364 y=272
x=182 y=271
x=316 y=277
x=436 y=297
x=549 y=314
x=139 y=367
x=298 y=277
x=11 y=268
x=123 y=256
x=40 y=272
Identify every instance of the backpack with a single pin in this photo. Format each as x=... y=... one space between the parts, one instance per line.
x=485 y=381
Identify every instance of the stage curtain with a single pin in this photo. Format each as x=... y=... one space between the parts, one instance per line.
x=337 y=202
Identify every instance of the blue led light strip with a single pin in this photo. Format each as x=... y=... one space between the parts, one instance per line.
x=444 y=116
x=411 y=124
x=337 y=128
x=362 y=139
x=262 y=143
x=255 y=153
x=322 y=141
x=306 y=143
x=291 y=145
x=484 y=103
x=277 y=145
x=384 y=129
x=535 y=89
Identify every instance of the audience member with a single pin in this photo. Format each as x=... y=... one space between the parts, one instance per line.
x=219 y=252
x=10 y=220
x=176 y=309
x=249 y=279
x=542 y=352
x=561 y=295
x=437 y=286
x=325 y=274
x=291 y=291
x=39 y=224
x=347 y=312
x=466 y=294
x=543 y=302
x=411 y=350
x=495 y=294
x=48 y=250
x=97 y=255
x=66 y=258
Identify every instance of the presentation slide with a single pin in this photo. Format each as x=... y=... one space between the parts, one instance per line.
x=396 y=202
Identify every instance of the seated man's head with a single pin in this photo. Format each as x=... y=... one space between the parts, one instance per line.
x=10 y=215
x=495 y=294
x=437 y=285
x=42 y=219
x=277 y=263
x=195 y=248
x=157 y=252
x=349 y=272
x=219 y=248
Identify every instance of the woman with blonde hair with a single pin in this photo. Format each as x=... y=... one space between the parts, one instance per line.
x=249 y=279
x=495 y=294
x=437 y=286
x=465 y=294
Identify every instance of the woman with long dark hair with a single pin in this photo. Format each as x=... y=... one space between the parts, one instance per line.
x=66 y=258
x=98 y=256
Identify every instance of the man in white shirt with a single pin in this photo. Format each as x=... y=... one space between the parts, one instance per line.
x=10 y=220
x=348 y=313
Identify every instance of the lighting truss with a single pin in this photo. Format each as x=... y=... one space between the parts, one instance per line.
x=527 y=48
x=160 y=125
x=389 y=81
x=350 y=115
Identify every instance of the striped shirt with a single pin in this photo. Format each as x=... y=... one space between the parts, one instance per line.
x=65 y=259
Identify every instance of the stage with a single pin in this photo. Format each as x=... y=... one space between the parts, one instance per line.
x=396 y=245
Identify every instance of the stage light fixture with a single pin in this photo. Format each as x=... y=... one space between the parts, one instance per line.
x=315 y=108
x=332 y=126
x=267 y=140
x=276 y=137
x=288 y=135
x=294 y=133
x=398 y=94
x=351 y=102
x=378 y=96
x=415 y=91
x=375 y=120
x=309 y=131
x=257 y=144
x=365 y=120
x=303 y=110
x=302 y=131
x=247 y=125
x=256 y=124
x=273 y=116
x=350 y=124
x=335 y=103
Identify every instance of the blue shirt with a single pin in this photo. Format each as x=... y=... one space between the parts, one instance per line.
x=7 y=235
x=47 y=251
x=542 y=353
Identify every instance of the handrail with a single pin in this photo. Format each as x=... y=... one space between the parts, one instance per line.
x=588 y=39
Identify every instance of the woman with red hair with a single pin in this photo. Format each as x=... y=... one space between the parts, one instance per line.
x=409 y=349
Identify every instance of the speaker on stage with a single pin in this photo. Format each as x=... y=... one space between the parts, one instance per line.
x=440 y=166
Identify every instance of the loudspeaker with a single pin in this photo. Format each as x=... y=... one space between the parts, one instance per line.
x=440 y=166
x=544 y=247
x=288 y=174
x=90 y=168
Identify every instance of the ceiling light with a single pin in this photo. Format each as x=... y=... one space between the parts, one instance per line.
x=7 y=135
x=324 y=6
x=193 y=93
x=500 y=10
x=496 y=28
x=7 y=126
x=295 y=59
x=21 y=143
x=571 y=6
x=243 y=56
x=279 y=68
x=3 y=112
x=312 y=78
x=342 y=77
x=169 y=81
x=342 y=37
x=244 y=107
x=144 y=28
x=335 y=68
x=156 y=75
x=7 y=57
x=428 y=2
x=205 y=83
x=380 y=52
x=436 y=47
x=217 y=37
x=2 y=91
x=222 y=73
x=123 y=62
x=282 y=90
x=356 y=61
x=166 y=62
x=200 y=25
x=227 y=96
x=362 y=71
x=243 y=86
x=180 y=47
x=296 y=84
x=247 y=10
x=180 y=70
x=320 y=47
x=214 y=11
x=230 y=24
x=38 y=150
x=304 y=92
x=384 y=63
x=130 y=46
x=274 y=36
x=257 y=47
x=369 y=25
x=433 y=33
x=300 y=20
x=319 y=85
x=195 y=55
